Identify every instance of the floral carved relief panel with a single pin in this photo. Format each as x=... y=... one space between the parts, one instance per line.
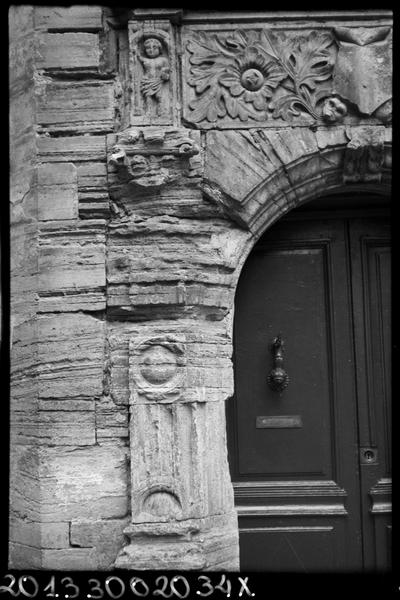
x=268 y=77
x=258 y=76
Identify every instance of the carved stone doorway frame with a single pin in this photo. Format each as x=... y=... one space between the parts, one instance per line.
x=211 y=151
x=180 y=368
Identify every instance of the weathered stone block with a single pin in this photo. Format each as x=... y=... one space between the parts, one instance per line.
x=363 y=70
x=91 y=175
x=71 y=267
x=55 y=535
x=23 y=349
x=111 y=420
x=83 y=483
x=64 y=428
x=25 y=532
x=68 y=50
x=67 y=405
x=71 y=355
x=23 y=151
x=72 y=264
x=77 y=105
x=21 y=49
x=106 y=537
x=24 y=557
x=71 y=17
x=58 y=191
x=72 y=148
x=20 y=20
x=24 y=483
x=22 y=115
x=69 y=559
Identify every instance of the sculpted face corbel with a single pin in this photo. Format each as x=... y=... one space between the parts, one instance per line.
x=152 y=157
x=333 y=110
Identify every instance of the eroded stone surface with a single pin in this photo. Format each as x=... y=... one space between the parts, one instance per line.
x=363 y=70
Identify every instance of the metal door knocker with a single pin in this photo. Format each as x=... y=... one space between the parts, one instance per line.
x=278 y=379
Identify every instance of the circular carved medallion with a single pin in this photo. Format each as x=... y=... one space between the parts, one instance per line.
x=158 y=365
x=157 y=368
x=252 y=79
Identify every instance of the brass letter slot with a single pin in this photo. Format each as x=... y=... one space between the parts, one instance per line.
x=279 y=422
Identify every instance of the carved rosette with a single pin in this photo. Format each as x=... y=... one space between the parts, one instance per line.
x=157 y=369
x=256 y=75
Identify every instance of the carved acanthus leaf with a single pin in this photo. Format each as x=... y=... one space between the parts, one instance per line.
x=257 y=74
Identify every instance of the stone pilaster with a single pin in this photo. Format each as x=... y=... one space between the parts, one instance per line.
x=181 y=496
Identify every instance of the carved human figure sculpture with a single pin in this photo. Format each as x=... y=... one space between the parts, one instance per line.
x=156 y=73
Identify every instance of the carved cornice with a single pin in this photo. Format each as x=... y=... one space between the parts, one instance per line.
x=296 y=18
x=172 y=14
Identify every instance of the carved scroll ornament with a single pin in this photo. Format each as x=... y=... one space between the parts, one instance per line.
x=253 y=75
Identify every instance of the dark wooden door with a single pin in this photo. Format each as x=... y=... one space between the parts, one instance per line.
x=311 y=464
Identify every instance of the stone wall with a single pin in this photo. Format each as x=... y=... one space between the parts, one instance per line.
x=69 y=486
x=140 y=182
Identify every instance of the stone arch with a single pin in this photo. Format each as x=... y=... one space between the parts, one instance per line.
x=256 y=178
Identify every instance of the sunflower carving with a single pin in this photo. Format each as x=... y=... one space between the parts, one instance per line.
x=250 y=75
x=255 y=75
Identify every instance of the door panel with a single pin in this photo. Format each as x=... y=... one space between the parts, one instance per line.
x=301 y=451
x=370 y=257
x=298 y=548
x=297 y=478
